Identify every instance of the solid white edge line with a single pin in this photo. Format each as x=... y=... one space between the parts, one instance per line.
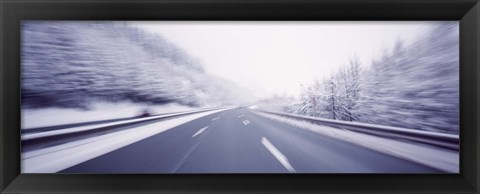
x=277 y=154
x=60 y=157
x=200 y=131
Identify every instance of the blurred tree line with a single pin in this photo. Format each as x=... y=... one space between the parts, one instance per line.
x=414 y=86
x=70 y=64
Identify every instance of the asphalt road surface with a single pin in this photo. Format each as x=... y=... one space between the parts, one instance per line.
x=239 y=141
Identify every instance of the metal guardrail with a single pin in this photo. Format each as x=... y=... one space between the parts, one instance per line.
x=448 y=141
x=31 y=140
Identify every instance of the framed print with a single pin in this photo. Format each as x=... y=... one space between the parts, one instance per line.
x=240 y=96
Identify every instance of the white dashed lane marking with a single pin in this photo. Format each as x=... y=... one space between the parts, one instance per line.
x=200 y=131
x=277 y=154
x=246 y=122
x=215 y=118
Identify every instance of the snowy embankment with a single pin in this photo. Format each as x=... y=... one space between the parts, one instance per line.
x=57 y=158
x=33 y=118
x=442 y=159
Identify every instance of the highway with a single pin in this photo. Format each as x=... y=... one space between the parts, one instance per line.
x=240 y=141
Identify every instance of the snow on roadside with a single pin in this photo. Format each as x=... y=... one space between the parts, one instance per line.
x=33 y=118
x=57 y=158
x=442 y=159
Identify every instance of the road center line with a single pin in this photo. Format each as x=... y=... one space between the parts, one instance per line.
x=200 y=131
x=215 y=118
x=277 y=154
x=246 y=122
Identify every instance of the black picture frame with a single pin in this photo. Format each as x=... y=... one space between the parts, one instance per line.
x=466 y=11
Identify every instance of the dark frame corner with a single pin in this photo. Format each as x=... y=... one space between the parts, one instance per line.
x=467 y=11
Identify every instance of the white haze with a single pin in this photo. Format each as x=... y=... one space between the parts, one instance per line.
x=277 y=57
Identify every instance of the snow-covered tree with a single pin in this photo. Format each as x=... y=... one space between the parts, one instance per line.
x=348 y=90
x=413 y=86
x=69 y=64
x=416 y=86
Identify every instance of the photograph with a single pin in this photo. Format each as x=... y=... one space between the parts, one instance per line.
x=209 y=97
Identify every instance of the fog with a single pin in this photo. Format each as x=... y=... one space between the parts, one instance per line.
x=276 y=57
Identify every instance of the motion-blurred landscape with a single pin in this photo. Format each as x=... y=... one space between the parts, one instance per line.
x=413 y=86
x=87 y=80
x=72 y=64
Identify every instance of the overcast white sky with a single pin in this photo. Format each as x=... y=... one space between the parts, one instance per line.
x=276 y=57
